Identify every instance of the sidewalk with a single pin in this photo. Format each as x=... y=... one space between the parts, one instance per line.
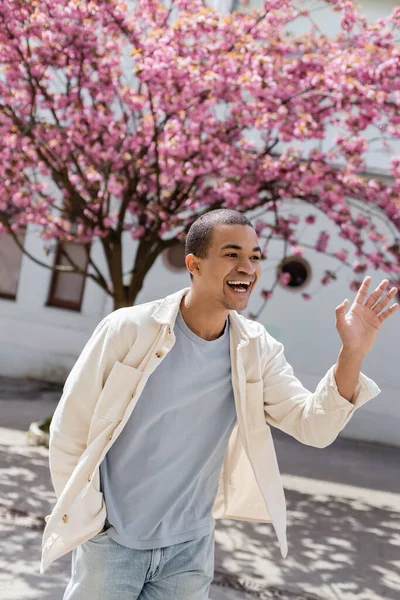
x=343 y=519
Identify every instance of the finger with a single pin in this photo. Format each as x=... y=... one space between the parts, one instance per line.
x=340 y=311
x=385 y=300
x=377 y=293
x=362 y=292
x=388 y=312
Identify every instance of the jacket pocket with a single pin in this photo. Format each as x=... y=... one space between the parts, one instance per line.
x=117 y=392
x=255 y=405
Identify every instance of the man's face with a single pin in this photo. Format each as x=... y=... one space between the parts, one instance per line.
x=231 y=269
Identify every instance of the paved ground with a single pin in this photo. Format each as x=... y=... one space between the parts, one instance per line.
x=343 y=512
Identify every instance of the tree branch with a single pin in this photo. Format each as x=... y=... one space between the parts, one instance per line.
x=157 y=165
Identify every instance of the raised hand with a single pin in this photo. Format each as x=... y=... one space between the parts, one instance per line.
x=359 y=327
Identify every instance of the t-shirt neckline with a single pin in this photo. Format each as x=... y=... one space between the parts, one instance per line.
x=197 y=339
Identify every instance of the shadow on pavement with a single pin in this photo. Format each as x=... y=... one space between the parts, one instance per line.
x=338 y=548
x=352 y=462
x=25 y=498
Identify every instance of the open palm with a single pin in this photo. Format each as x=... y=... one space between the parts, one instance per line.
x=359 y=327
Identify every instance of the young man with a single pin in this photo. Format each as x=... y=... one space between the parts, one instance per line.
x=163 y=425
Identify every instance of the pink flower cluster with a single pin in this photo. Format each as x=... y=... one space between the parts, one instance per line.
x=130 y=117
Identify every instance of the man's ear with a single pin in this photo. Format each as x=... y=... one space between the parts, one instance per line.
x=192 y=264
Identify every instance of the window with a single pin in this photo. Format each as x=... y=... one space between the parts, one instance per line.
x=298 y=269
x=174 y=257
x=10 y=264
x=66 y=289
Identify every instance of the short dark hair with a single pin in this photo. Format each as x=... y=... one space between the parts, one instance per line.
x=199 y=237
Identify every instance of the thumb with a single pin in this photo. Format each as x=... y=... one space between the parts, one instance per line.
x=341 y=309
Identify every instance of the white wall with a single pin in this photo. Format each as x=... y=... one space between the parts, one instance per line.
x=37 y=340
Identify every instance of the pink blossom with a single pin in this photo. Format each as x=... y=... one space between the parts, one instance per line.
x=349 y=16
x=266 y=294
x=297 y=250
x=374 y=236
x=322 y=242
x=341 y=254
x=361 y=221
x=285 y=278
x=375 y=259
x=355 y=285
x=138 y=233
x=359 y=267
x=260 y=226
x=328 y=277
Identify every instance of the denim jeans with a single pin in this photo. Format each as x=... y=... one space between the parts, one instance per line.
x=102 y=569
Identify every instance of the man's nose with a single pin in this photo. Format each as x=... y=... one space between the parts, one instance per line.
x=246 y=266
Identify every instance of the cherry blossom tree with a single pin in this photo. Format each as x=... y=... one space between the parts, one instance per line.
x=123 y=120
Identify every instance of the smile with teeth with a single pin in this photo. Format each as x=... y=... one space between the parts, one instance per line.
x=239 y=286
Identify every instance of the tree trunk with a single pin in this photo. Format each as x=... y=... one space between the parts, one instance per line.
x=116 y=273
x=147 y=252
x=146 y=255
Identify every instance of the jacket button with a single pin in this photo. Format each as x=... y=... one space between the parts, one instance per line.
x=89 y=478
x=111 y=437
x=159 y=354
x=65 y=518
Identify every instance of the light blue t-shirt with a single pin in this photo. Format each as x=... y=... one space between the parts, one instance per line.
x=160 y=477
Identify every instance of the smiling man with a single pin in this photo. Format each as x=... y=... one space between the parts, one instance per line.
x=164 y=424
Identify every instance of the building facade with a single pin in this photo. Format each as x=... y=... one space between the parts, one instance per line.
x=46 y=317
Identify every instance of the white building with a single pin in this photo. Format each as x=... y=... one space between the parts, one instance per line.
x=46 y=318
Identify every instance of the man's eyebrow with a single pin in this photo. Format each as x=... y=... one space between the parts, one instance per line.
x=236 y=247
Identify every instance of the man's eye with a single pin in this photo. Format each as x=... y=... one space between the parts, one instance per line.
x=232 y=254
x=256 y=257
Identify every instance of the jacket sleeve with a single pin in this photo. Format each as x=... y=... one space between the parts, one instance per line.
x=315 y=418
x=71 y=420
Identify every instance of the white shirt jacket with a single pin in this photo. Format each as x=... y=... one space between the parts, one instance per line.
x=105 y=384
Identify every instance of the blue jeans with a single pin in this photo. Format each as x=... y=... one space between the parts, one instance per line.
x=102 y=569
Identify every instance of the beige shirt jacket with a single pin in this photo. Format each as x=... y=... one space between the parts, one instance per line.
x=105 y=384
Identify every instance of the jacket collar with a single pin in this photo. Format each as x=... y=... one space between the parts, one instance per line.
x=168 y=309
